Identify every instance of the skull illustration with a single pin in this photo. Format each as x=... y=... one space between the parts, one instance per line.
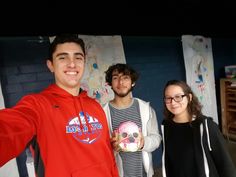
x=129 y=136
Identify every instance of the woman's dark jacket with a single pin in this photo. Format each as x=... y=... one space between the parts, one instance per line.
x=212 y=156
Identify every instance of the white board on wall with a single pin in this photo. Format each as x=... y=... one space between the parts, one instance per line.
x=101 y=52
x=198 y=59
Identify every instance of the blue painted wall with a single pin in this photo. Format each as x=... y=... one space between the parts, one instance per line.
x=157 y=59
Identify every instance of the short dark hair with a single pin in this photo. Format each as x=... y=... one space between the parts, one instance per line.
x=194 y=106
x=63 y=38
x=121 y=68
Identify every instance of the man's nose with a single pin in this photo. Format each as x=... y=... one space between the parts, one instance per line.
x=72 y=63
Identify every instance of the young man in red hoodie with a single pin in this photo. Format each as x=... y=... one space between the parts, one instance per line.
x=69 y=128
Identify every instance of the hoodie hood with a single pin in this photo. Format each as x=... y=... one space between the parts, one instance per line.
x=56 y=90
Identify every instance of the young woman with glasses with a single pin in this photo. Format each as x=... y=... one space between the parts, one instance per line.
x=192 y=143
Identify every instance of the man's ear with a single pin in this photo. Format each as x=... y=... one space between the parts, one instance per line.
x=50 y=65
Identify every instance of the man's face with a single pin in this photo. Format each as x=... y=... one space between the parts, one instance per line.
x=121 y=84
x=67 y=64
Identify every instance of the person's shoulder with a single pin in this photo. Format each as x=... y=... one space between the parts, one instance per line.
x=165 y=122
x=145 y=103
x=33 y=95
x=90 y=100
x=105 y=105
x=209 y=120
x=206 y=118
x=141 y=100
x=31 y=98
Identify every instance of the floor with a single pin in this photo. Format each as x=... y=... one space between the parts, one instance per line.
x=232 y=150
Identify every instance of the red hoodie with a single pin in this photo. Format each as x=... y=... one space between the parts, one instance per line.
x=71 y=132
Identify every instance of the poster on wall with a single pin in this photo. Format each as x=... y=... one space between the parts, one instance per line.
x=10 y=168
x=101 y=52
x=198 y=59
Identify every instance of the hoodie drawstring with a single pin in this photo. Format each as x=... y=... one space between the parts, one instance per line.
x=208 y=137
x=77 y=112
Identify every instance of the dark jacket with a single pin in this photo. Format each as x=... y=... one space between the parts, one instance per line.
x=213 y=160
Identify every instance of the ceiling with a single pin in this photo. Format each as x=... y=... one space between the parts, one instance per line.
x=138 y=18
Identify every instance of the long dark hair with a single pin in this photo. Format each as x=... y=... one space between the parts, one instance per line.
x=194 y=106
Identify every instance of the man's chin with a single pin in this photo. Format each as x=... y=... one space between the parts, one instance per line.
x=122 y=94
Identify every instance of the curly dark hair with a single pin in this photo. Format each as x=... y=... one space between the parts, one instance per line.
x=63 y=38
x=121 y=68
x=194 y=106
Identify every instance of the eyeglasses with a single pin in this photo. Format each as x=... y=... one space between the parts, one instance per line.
x=177 y=98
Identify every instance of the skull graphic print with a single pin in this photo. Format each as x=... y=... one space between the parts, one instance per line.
x=129 y=136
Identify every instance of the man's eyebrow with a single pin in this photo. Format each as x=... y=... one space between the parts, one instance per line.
x=64 y=53
x=79 y=53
